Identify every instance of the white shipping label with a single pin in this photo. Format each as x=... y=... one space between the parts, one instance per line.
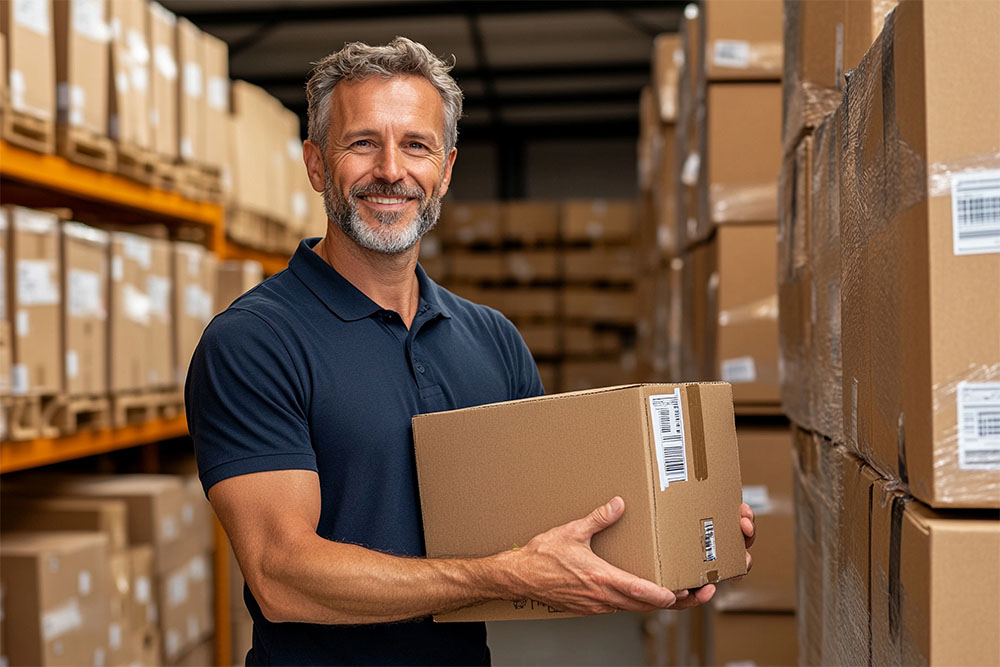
x=121 y=82
x=708 y=533
x=84 y=296
x=84 y=582
x=88 y=20
x=22 y=324
x=18 y=88
x=135 y=304
x=115 y=636
x=177 y=589
x=33 y=15
x=739 y=370
x=198 y=568
x=19 y=384
x=193 y=80
x=757 y=497
x=187 y=514
x=140 y=78
x=187 y=148
x=154 y=117
x=173 y=642
x=300 y=205
x=143 y=590
x=217 y=93
x=62 y=619
x=77 y=97
x=689 y=172
x=117 y=268
x=137 y=48
x=139 y=250
x=979 y=425
x=72 y=364
x=194 y=256
x=975 y=212
x=668 y=432
x=163 y=61
x=731 y=53
x=158 y=288
x=36 y=285
x=75 y=117
x=100 y=655
x=294 y=148
x=192 y=301
x=168 y=528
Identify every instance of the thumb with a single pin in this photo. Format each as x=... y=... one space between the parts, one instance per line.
x=604 y=516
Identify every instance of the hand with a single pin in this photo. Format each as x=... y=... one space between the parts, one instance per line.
x=749 y=530
x=559 y=568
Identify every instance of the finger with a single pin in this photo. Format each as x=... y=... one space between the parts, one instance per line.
x=602 y=517
x=703 y=594
x=749 y=532
x=640 y=590
x=749 y=561
x=746 y=511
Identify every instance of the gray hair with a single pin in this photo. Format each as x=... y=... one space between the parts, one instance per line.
x=358 y=61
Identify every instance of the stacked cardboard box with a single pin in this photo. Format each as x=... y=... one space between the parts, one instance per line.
x=894 y=363
x=29 y=111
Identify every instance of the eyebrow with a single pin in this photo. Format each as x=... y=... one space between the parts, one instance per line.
x=368 y=132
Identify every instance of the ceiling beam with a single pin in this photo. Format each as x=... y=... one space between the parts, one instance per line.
x=397 y=10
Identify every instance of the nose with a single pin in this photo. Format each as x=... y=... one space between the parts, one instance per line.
x=388 y=165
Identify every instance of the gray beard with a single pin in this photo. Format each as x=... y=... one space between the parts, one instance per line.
x=387 y=238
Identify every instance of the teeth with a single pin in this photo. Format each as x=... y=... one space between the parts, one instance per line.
x=384 y=200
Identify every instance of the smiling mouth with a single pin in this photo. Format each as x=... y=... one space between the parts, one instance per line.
x=375 y=199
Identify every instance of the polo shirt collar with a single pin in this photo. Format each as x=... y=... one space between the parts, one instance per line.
x=341 y=296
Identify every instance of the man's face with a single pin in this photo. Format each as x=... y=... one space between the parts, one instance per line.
x=386 y=168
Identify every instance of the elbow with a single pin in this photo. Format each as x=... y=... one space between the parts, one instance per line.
x=272 y=596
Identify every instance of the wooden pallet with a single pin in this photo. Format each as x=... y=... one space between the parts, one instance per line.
x=165 y=176
x=136 y=408
x=27 y=131
x=84 y=147
x=84 y=413
x=136 y=164
x=200 y=182
x=30 y=417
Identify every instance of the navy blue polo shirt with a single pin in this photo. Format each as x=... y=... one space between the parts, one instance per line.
x=306 y=372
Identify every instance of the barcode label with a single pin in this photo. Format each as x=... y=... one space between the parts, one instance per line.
x=668 y=432
x=731 y=53
x=708 y=528
x=739 y=370
x=975 y=212
x=979 y=425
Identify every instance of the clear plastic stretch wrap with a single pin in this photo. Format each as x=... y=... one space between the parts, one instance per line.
x=920 y=259
x=753 y=202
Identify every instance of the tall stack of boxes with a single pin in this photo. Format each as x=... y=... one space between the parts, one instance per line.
x=890 y=320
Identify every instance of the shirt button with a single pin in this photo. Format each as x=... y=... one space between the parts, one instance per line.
x=419 y=367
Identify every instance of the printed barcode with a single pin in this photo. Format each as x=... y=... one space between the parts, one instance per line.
x=979 y=425
x=731 y=53
x=975 y=203
x=709 y=529
x=668 y=433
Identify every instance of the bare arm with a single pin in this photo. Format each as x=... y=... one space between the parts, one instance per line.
x=295 y=575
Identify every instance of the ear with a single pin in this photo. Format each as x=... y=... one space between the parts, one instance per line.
x=313 y=158
x=449 y=164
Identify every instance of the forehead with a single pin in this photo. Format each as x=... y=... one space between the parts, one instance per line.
x=401 y=103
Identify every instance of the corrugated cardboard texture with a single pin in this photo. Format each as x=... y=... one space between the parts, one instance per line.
x=539 y=463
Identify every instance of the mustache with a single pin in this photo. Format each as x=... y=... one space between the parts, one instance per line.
x=387 y=190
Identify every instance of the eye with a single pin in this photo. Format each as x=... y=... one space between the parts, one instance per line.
x=416 y=145
x=362 y=143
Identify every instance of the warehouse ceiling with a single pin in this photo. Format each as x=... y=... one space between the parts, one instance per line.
x=529 y=69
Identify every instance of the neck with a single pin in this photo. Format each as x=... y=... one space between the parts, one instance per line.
x=388 y=280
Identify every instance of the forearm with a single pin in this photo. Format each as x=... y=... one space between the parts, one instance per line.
x=319 y=581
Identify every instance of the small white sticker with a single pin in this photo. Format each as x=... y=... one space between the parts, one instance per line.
x=708 y=532
x=689 y=172
x=135 y=304
x=33 y=15
x=979 y=425
x=731 y=53
x=217 y=93
x=975 y=212
x=757 y=497
x=117 y=268
x=139 y=250
x=177 y=589
x=173 y=642
x=100 y=656
x=198 y=568
x=193 y=627
x=143 y=590
x=187 y=148
x=35 y=283
x=84 y=582
x=187 y=513
x=19 y=384
x=168 y=528
x=84 y=296
x=668 y=433
x=23 y=323
x=72 y=364
x=163 y=61
x=158 y=288
x=192 y=80
x=739 y=370
x=115 y=636
x=61 y=620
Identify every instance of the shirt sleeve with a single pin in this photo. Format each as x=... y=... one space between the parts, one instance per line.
x=245 y=403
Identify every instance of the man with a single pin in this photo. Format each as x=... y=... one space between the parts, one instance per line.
x=300 y=397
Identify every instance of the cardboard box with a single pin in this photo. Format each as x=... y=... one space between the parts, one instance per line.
x=185 y=596
x=921 y=351
x=476 y=266
x=592 y=340
x=108 y=517
x=198 y=656
x=120 y=649
x=935 y=580
x=129 y=322
x=297 y=181
x=530 y=222
x=530 y=266
x=666 y=243
x=825 y=372
x=599 y=305
x=766 y=470
x=129 y=103
x=191 y=102
x=162 y=25
x=235 y=277
x=809 y=544
x=675 y=326
x=598 y=220
x=160 y=353
x=751 y=638
x=5 y=324
x=742 y=40
x=863 y=22
x=581 y=374
x=82 y=55
x=197 y=516
x=34 y=279
x=471 y=223
x=85 y=312
x=216 y=122
x=600 y=444
x=813 y=74
x=741 y=155
x=668 y=57
x=795 y=284
x=741 y=309
x=194 y=277
x=30 y=57
x=536 y=302
x=542 y=339
x=143 y=611
x=646 y=147
x=58 y=584
x=600 y=265
x=249 y=156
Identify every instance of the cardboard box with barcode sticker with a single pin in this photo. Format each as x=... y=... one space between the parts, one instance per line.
x=30 y=57
x=920 y=254
x=742 y=40
x=58 y=584
x=668 y=450
x=85 y=315
x=35 y=306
